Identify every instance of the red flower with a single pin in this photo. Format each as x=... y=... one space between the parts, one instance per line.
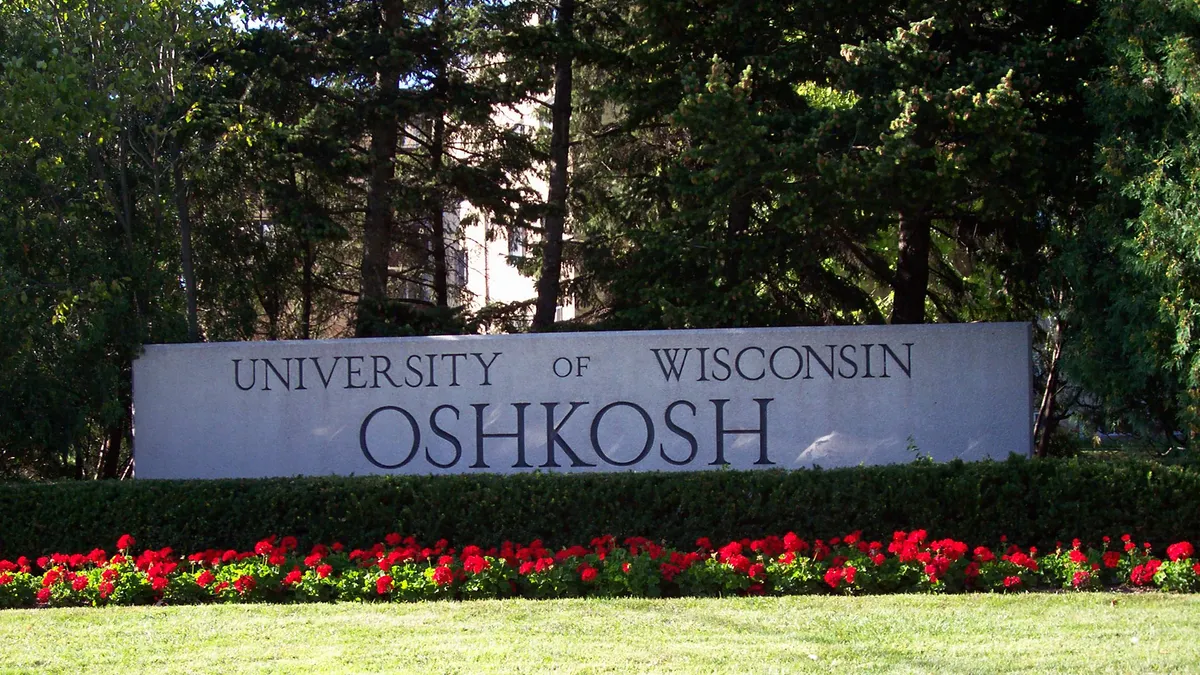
x=1179 y=551
x=324 y=570
x=833 y=576
x=1080 y=578
x=393 y=539
x=442 y=575
x=1144 y=574
x=5 y=578
x=244 y=584
x=106 y=589
x=1196 y=569
x=313 y=560
x=571 y=552
x=794 y=544
x=878 y=559
x=820 y=550
x=293 y=577
x=729 y=550
x=288 y=543
x=277 y=558
x=587 y=573
x=848 y=574
x=158 y=583
x=625 y=567
x=1078 y=557
x=43 y=595
x=383 y=584
x=704 y=544
x=126 y=542
x=220 y=587
x=739 y=563
x=1111 y=559
x=526 y=568
x=475 y=563
x=668 y=571
x=205 y=579
x=1011 y=582
x=50 y=577
x=110 y=574
x=1023 y=560
x=757 y=570
x=80 y=583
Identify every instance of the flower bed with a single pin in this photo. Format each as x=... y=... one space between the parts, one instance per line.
x=400 y=569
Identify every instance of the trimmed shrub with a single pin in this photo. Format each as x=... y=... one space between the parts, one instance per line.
x=1038 y=502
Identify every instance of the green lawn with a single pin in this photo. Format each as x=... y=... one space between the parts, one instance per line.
x=973 y=633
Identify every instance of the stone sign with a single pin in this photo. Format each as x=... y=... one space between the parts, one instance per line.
x=636 y=401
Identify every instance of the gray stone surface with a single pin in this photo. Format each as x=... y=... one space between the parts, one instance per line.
x=662 y=400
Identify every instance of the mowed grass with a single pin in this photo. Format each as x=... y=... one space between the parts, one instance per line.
x=976 y=633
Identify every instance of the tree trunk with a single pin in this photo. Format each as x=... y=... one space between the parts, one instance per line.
x=111 y=453
x=549 y=286
x=306 y=305
x=126 y=187
x=185 y=245
x=912 y=268
x=441 y=286
x=377 y=226
x=436 y=158
x=1047 y=420
x=740 y=209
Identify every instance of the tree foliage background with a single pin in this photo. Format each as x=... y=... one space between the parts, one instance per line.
x=185 y=170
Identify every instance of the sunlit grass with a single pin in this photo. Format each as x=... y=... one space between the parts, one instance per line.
x=973 y=633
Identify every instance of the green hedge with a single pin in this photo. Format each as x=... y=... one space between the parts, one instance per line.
x=1032 y=501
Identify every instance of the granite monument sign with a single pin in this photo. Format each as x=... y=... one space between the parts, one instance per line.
x=658 y=400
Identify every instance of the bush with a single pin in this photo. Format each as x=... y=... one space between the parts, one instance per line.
x=1039 y=502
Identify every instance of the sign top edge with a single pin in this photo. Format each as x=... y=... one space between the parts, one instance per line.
x=578 y=334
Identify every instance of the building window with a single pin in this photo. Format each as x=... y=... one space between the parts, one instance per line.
x=518 y=242
x=460 y=266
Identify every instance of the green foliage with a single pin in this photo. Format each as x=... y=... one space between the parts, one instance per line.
x=1134 y=268
x=1039 y=502
x=191 y=169
x=92 y=107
